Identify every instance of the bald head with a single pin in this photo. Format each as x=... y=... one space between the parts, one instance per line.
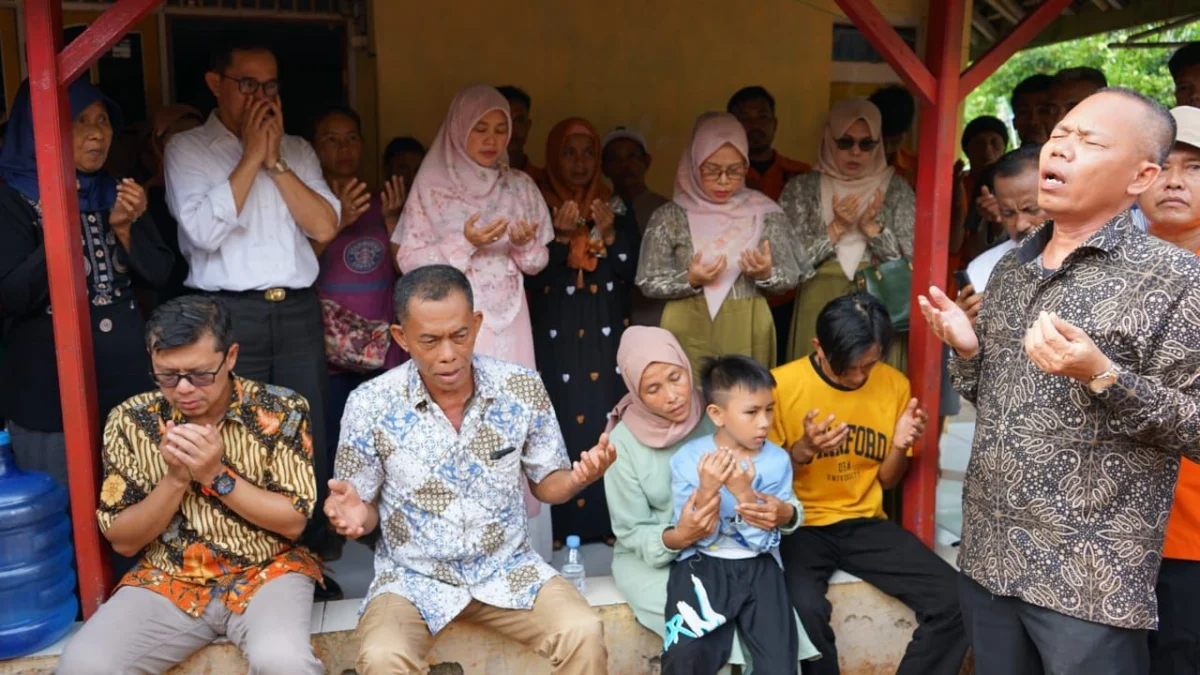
x=1153 y=123
x=1105 y=153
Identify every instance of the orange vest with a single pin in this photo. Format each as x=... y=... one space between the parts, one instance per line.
x=1183 y=529
x=776 y=177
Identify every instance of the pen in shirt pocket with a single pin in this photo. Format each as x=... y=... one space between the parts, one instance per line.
x=500 y=454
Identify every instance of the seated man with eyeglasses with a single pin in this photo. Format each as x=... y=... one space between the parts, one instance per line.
x=251 y=201
x=211 y=478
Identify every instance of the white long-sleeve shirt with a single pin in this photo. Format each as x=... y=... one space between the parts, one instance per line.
x=260 y=248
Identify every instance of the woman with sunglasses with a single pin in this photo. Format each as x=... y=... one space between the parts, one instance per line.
x=852 y=212
x=717 y=249
x=120 y=242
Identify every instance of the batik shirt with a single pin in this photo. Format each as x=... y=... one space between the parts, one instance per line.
x=208 y=550
x=1067 y=492
x=451 y=508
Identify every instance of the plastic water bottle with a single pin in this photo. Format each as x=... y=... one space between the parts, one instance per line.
x=37 y=581
x=573 y=570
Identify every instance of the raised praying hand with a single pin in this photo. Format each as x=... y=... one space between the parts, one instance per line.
x=346 y=509
x=756 y=263
x=949 y=323
x=593 y=463
x=1060 y=348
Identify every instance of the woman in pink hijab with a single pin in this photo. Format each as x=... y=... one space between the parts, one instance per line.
x=470 y=210
x=717 y=249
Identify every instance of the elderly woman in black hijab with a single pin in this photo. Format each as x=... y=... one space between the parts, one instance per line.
x=119 y=242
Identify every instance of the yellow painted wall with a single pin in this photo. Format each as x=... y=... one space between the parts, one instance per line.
x=655 y=65
x=151 y=66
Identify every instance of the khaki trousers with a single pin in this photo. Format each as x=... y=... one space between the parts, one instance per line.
x=139 y=631
x=561 y=627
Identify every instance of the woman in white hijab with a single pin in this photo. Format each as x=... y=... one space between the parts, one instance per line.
x=851 y=212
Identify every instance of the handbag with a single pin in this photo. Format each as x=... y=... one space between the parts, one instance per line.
x=891 y=282
x=353 y=342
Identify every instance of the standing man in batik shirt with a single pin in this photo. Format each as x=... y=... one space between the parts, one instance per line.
x=432 y=454
x=1082 y=365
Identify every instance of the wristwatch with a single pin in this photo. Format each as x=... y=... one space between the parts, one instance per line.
x=221 y=485
x=1100 y=382
x=281 y=166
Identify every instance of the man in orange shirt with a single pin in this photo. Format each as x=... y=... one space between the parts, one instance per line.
x=1172 y=205
x=769 y=171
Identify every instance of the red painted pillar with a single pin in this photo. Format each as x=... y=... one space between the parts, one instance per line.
x=68 y=290
x=938 y=146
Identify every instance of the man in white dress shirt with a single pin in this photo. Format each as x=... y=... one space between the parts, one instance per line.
x=249 y=201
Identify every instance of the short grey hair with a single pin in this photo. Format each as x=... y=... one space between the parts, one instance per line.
x=431 y=283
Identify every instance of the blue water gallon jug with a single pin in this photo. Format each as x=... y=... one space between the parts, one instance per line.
x=37 y=577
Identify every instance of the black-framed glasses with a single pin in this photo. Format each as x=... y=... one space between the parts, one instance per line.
x=249 y=85
x=864 y=144
x=197 y=379
x=714 y=173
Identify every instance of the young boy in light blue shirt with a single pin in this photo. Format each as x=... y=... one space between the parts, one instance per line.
x=732 y=579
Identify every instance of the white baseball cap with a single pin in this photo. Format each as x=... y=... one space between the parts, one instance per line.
x=628 y=133
x=1187 y=123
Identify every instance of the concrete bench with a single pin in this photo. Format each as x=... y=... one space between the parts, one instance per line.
x=872 y=630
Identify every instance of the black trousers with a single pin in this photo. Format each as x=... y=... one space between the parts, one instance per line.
x=283 y=343
x=1013 y=637
x=888 y=557
x=709 y=598
x=1175 y=646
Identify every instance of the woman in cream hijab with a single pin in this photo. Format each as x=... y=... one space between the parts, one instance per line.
x=851 y=212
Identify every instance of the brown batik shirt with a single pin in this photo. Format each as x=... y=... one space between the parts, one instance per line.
x=1067 y=492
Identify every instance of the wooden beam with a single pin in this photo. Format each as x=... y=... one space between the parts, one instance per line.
x=1003 y=10
x=884 y=38
x=1030 y=26
x=106 y=31
x=1090 y=22
x=984 y=27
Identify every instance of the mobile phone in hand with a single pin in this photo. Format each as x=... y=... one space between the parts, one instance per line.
x=962 y=279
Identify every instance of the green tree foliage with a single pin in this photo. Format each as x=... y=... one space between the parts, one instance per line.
x=1142 y=69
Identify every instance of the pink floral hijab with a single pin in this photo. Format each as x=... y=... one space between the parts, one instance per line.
x=451 y=187
x=719 y=228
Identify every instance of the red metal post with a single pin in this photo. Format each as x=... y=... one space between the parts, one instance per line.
x=938 y=149
x=879 y=32
x=100 y=36
x=1033 y=23
x=68 y=290
x=49 y=73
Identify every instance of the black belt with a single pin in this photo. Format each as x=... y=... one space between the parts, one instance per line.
x=270 y=294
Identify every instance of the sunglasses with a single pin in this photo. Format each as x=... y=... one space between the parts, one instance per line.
x=197 y=379
x=714 y=173
x=864 y=144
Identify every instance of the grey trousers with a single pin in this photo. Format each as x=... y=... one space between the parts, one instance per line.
x=1013 y=637
x=139 y=631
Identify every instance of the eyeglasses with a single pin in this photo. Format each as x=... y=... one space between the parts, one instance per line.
x=196 y=379
x=714 y=173
x=249 y=85
x=864 y=144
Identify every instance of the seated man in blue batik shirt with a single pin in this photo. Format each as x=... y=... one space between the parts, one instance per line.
x=433 y=453
x=733 y=577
